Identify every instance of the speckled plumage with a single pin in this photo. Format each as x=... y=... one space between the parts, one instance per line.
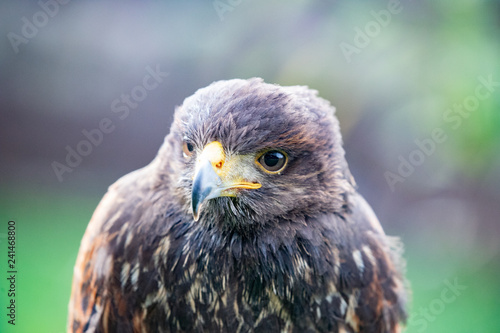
x=303 y=253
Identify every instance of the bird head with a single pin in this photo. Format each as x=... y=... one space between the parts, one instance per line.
x=245 y=152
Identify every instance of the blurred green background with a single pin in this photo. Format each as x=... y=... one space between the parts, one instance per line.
x=396 y=71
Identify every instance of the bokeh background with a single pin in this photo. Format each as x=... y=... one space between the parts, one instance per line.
x=395 y=79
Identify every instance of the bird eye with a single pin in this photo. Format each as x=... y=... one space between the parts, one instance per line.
x=273 y=161
x=187 y=149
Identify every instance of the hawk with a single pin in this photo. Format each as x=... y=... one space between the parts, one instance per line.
x=247 y=220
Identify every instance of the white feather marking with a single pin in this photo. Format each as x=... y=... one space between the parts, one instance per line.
x=102 y=262
x=124 y=274
x=366 y=249
x=343 y=306
x=358 y=259
x=135 y=276
x=128 y=239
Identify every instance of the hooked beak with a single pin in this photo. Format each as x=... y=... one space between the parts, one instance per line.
x=216 y=177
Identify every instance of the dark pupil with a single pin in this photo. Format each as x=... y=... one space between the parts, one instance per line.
x=189 y=147
x=272 y=158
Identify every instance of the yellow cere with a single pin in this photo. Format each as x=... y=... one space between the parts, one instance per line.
x=214 y=152
x=234 y=170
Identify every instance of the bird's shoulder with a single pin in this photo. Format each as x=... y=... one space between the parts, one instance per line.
x=117 y=238
x=365 y=284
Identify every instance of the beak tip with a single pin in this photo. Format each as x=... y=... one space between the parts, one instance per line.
x=196 y=215
x=196 y=211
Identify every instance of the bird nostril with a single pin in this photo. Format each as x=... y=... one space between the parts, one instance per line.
x=219 y=164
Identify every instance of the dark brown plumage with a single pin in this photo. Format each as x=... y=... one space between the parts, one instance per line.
x=246 y=221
